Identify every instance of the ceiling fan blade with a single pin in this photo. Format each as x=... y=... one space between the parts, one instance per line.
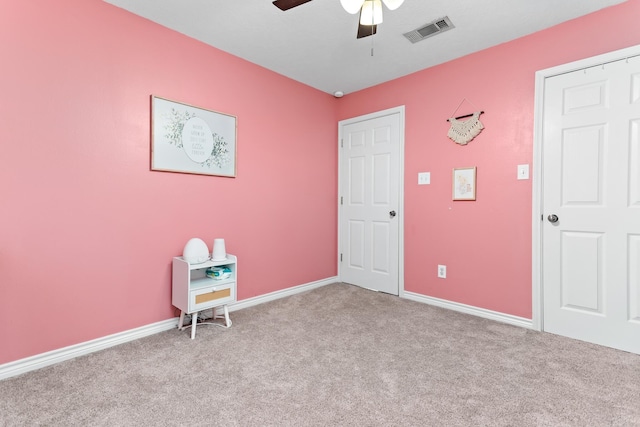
x=365 y=30
x=288 y=4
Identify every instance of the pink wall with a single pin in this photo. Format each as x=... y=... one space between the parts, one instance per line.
x=87 y=231
x=485 y=244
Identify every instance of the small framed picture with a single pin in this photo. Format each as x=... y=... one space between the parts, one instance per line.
x=464 y=183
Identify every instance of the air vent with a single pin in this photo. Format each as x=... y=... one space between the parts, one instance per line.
x=431 y=29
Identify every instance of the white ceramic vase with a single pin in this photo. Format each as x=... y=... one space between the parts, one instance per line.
x=219 y=252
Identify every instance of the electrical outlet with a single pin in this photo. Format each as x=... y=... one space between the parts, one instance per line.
x=442 y=271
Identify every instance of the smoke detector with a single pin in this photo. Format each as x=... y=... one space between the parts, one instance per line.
x=431 y=29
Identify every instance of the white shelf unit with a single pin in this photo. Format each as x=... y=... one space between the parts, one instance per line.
x=192 y=291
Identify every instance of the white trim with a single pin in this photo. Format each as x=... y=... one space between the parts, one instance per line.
x=400 y=110
x=42 y=360
x=537 y=202
x=261 y=299
x=468 y=309
x=536 y=205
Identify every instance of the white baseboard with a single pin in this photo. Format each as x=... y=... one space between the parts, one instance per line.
x=261 y=299
x=38 y=361
x=469 y=309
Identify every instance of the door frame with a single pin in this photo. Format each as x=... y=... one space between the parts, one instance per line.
x=400 y=216
x=537 y=205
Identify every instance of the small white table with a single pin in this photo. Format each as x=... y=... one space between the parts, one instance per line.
x=192 y=291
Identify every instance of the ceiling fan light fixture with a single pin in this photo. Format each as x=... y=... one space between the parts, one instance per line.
x=371 y=12
x=352 y=6
x=393 y=4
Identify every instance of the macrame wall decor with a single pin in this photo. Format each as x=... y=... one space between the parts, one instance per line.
x=463 y=131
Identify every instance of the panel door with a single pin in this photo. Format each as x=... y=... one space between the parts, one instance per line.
x=369 y=220
x=591 y=183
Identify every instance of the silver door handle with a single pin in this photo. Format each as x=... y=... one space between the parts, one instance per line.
x=392 y=214
x=553 y=218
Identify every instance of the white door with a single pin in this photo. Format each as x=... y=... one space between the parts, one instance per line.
x=591 y=204
x=370 y=200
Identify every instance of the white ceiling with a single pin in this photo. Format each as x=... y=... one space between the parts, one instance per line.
x=316 y=44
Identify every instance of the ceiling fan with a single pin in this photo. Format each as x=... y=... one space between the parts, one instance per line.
x=370 y=12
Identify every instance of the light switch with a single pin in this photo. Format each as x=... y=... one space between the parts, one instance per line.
x=424 y=178
x=523 y=171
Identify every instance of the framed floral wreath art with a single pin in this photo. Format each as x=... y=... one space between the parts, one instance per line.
x=190 y=139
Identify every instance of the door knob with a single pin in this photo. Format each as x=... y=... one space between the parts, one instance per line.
x=553 y=218
x=392 y=214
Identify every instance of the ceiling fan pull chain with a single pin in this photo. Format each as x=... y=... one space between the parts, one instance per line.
x=372 y=39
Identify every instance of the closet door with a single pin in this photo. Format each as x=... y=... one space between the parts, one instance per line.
x=370 y=155
x=591 y=204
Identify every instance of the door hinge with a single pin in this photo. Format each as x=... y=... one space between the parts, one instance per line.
x=341 y=200
x=340 y=257
x=341 y=143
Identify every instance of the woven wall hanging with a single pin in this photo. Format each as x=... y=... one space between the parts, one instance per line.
x=463 y=131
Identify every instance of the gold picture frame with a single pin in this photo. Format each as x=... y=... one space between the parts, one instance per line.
x=190 y=139
x=464 y=183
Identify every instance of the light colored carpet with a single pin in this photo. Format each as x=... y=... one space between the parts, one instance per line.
x=338 y=355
